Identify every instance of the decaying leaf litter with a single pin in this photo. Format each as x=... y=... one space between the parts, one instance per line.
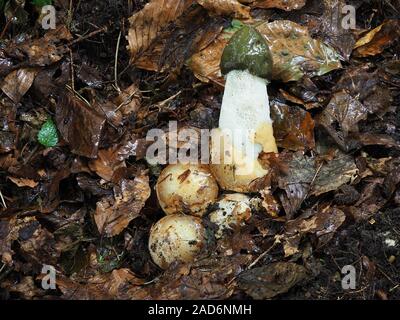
x=82 y=198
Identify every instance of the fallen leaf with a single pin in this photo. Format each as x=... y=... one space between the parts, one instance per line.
x=129 y=100
x=146 y=23
x=18 y=82
x=345 y=112
x=113 y=213
x=271 y=280
x=329 y=27
x=205 y=63
x=295 y=53
x=323 y=224
x=227 y=7
x=80 y=125
x=378 y=39
x=368 y=139
x=22 y=182
x=207 y=278
x=107 y=163
x=287 y=5
x=179 y=40
x=43 y=51
x=293 y=127
x=305 y=177
x=364 y=84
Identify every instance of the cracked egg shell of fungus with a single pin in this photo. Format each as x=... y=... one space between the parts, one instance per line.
x=186 y=188
x=233 y=211
x=176 y=237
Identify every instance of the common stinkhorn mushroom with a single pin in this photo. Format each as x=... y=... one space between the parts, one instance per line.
x=245 y=127
x=186 y=188
x=176 y=237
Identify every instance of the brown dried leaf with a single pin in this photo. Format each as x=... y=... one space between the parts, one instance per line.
x=113 y=213
x=227 y=7
x=345 y=111
x=22 y=182
x=323 y=224
x=180 y=39
x=205 y=63
x=18 y=82
x=365 y=84
x=305 y=177
x=119 y=284
x=207 y=278
x=43 y=51
x=378 y=39
x=287 y=5
x=271 y=280
x=146 y=24
x=368 y=139
x=80 y=125
x=329 y=27
x=107 y=163
x=293 y=127
x=129 y=100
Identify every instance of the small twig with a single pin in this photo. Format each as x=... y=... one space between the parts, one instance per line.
x=126 y=101
x=116 y=62
x=89 y=35
x=78 y=94
x=2 y=200
x=162 y=103
x=262 y=255
x=72 y=71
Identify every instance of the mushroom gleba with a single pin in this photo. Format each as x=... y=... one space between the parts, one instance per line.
x=245 y=127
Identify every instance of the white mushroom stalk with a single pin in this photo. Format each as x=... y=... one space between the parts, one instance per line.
x=245 y=127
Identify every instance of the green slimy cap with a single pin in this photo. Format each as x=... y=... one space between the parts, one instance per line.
x=247 y=50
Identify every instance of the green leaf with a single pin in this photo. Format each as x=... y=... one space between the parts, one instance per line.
x=41 y=3
x=48 y=135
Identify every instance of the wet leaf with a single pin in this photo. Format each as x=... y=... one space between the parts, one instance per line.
x=286 y=5
x=293 y=127
x=345 y=112
x=378 y=39
x=48 y=135
x=113 y=213
x=227 y=8
x=18 y=82
x=180 y=39
x=295 y=53
x=205 y=63
x=22 y=182
x=323 y=224
x=145 y=24
x=330 y=28
x=271 y=280
x=80 y=125
x=43 y=51
x=364 y=83
x=207 y=278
